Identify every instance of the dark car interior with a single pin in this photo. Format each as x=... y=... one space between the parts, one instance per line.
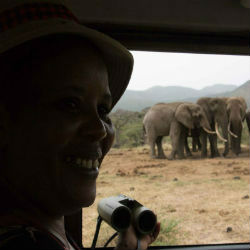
x=187 y=26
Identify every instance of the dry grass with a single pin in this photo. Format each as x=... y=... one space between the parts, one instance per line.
x=197 y=200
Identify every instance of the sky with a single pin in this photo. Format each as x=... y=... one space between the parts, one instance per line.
x=189 y=70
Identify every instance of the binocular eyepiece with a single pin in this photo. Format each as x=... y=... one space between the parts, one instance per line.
x=120 y=211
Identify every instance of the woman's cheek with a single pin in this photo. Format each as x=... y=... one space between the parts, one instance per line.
x=109 y=139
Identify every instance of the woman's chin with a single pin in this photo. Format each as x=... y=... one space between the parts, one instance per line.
x=79 y=198
x=77 y=205
x=88 y=196
x=88 y=200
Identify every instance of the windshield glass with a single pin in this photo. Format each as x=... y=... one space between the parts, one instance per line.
x=202 y=197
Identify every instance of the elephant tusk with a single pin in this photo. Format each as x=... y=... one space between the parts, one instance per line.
x=208 y=131
x=218 y=133
x=230 y=132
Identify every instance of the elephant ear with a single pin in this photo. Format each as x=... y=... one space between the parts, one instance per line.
x=242 y=112
x=243 y=108
x=184 y=116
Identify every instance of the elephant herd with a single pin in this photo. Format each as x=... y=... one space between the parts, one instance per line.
x=209 y=119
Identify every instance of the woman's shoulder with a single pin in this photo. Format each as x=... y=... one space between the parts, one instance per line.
x=24 y=237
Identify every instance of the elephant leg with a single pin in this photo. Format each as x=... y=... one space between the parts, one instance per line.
x=213 y=146
x=151 y=141
x=175 y=133
x=203 y=144
x=232 y=140
x=216 y=151
x=194 y=144
x=224 y=128
x=198 y=143
x=239 y=143
x=174 y=148
x=161 y=154
x=226 y=149
x=181 y=142
x=180 y=150
x=238 y=147
x=234 y=145
x=187 y=149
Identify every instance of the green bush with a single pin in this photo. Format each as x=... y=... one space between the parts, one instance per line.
x=132 y=135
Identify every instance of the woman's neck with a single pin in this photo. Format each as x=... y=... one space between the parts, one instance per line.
x=54 y=226
x=18 y=211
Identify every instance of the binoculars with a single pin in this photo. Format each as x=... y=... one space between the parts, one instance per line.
x=120 y=211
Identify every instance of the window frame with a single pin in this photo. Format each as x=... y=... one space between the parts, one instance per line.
x=149 y=38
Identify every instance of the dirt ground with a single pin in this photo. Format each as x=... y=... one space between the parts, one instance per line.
x=197 y=201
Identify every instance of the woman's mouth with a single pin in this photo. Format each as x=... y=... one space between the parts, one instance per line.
x=82 y=163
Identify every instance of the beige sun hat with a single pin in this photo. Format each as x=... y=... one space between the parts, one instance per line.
x=24 y=20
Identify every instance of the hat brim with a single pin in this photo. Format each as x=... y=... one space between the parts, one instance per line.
x=118 y=59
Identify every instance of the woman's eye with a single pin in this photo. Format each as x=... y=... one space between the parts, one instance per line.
x=70 y=105
x=103 y=112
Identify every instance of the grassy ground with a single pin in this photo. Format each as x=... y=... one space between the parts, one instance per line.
x=197 y=201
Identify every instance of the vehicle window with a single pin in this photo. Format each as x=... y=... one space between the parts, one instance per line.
x=198 y=199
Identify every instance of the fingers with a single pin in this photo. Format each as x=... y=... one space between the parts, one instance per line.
x=155 y=233
x=153 y=236
x=128 y=239
x=148 y=239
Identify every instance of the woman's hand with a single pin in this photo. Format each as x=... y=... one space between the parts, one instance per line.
x=129 y=241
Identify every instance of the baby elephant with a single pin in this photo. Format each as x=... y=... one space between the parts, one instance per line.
x=173 y=119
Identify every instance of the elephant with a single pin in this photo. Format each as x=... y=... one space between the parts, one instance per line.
x=216 y=111
x=174 y=120
x=248 y=120
x=236 y=111
x=194 y=134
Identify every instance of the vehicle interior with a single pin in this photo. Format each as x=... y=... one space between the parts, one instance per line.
x=187 y=26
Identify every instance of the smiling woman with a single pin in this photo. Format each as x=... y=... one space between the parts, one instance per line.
x=60 y=124
x=57 y=88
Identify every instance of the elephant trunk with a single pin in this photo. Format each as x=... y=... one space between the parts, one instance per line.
x=236 y=128
x=230 y=132
x=218 y=133
x=223 y=124
x=235 y=124
x=221 y=118
x=206 y=126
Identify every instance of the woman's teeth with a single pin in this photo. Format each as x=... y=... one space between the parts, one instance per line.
x=83 y=163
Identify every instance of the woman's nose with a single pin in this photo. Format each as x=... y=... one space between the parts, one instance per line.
x=94 y=129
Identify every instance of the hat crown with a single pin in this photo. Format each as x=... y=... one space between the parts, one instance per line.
x=24 y=20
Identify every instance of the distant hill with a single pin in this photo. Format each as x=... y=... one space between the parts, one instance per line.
x=138 y=100
x=217 y=89
x=243 y=90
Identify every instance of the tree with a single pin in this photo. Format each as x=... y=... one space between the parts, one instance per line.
x=120 y=118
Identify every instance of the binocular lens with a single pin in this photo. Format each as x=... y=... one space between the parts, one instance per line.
x=147 y=221
x=121 y=218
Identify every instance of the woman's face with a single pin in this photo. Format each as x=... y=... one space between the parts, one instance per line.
x=57 y=143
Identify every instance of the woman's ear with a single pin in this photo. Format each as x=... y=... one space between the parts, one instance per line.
x=4 y=121
x=184 y=116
